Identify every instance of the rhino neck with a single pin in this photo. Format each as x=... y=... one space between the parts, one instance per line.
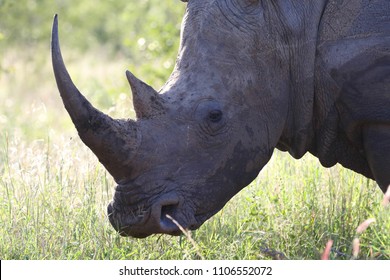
x=297 y=30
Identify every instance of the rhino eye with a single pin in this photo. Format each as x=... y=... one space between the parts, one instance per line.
x=215 y=116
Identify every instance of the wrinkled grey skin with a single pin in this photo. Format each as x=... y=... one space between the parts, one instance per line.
x=301 y=76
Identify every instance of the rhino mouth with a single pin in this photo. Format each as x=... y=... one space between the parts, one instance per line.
x=165 y=215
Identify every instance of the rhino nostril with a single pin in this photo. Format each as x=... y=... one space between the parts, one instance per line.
x=168 y=210
x=167 y=214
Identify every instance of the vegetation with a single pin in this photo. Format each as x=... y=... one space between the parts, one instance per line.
x=54 y=193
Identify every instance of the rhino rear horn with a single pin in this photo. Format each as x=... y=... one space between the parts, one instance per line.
x=112 y=141
x=147 y=102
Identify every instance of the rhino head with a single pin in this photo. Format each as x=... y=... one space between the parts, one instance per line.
x=199 y=140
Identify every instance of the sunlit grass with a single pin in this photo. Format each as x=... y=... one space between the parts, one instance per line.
x=53 y=206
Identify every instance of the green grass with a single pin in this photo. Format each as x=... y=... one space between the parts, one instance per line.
x=54 y=193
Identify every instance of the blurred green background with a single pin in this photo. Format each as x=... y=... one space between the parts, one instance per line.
x=99 y=40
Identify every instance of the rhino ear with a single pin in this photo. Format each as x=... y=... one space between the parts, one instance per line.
x=147 y=102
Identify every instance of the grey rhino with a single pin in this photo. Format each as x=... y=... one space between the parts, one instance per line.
x=251 y=76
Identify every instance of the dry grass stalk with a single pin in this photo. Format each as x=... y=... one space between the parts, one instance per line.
x=356 y=242
x=187 y=234
x=355 y=247
x=363 y=226
x=386 y=197
x=325 y=255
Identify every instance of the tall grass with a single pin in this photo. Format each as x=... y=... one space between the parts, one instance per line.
x=53 y=197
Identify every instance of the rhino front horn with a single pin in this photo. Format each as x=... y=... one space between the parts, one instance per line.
x=112 y=141
x=147 y=102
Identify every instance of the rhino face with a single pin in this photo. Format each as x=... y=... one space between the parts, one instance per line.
x=197 y=142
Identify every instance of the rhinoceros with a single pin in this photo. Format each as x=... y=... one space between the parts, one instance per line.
x=251 y=76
